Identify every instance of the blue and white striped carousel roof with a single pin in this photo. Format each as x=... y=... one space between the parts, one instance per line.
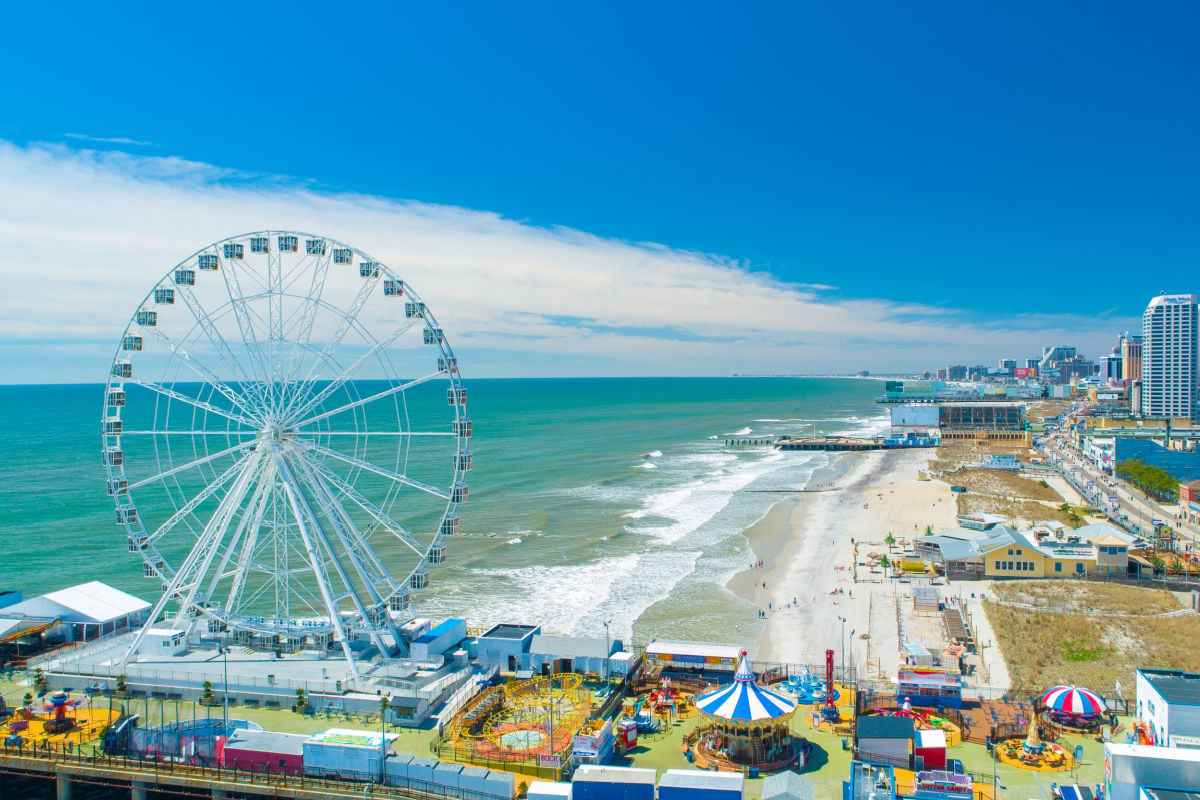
x=744 y=700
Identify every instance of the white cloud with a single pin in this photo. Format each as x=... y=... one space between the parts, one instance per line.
x=86 y=234
x=83 y=137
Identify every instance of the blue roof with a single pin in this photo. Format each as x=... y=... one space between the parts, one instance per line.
x=438 y=630
x=745 y=700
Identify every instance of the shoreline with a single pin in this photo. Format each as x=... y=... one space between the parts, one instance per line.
x=815 y=598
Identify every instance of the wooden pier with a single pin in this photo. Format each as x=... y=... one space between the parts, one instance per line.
x=846 y=444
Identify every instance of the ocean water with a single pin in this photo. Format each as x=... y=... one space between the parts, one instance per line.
x=592 y=500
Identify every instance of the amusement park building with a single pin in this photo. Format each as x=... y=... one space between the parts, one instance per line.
x=506 y=646
x=1168 y=702
x=87 y=611
x=572 y=653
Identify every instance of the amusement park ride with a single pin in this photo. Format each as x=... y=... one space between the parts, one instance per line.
x=56 y=718
x=276 y=399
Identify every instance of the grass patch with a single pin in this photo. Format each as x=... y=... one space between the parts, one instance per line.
x=1079 y=651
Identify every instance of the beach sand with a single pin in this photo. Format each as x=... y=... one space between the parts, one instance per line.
x=810 y=580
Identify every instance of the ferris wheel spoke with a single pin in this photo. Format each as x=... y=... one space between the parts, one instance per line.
x=372 y=434
x=220 y=346
x=190 y=465
x=349 y=318
x=357 y=541
x=214 y=533
x=188 y=432
x=371 y=573
x=349 y=373
x=311 y=536
x=241 y=312
x=367 y=400
x=253 y=520
x=380 y=471
x=379 y=515
x=311 y=302
x=192 y=401
x=206 y=375
x=208 y=491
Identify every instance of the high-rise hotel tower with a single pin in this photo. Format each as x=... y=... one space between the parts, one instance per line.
x=1170 y=336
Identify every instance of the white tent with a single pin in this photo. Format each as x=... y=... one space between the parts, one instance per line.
x=91 y=609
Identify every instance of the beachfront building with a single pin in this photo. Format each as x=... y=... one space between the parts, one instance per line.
x=586 y=654
x=1168 y=704
x=506 y=646
x=993 y=550
x=1170 y=335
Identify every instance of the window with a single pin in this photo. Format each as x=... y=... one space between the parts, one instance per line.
x=1058 y=566
x=997 y=565
x=1079 y=568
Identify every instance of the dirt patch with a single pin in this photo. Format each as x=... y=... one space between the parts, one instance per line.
x=1044 y=648
x=1023 y=513
x=1004 y=484
x=1093 y=596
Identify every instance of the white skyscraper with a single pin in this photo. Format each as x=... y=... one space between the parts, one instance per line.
x=1170 y=337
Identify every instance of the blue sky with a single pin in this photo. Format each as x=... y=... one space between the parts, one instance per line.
x=1031 y=165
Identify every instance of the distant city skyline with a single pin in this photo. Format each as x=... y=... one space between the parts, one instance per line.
x=626 y=191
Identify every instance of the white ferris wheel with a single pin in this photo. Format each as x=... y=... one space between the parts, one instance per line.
x=286 y=440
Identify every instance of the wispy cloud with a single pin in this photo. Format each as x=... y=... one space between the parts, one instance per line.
x=87 y=233
x=83 y=137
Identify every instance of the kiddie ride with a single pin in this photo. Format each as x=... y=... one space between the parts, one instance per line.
x=1033 y=753
x=659 y=708
x=922 y=720
x=60 y=717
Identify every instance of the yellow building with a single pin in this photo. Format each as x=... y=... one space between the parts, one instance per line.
x=997 y=551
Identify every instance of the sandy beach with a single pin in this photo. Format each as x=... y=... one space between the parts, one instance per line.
x=806 y=543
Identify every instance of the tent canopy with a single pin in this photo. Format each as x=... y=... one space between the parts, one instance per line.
x=744 y=700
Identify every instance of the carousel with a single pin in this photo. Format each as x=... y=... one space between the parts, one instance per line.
x=1074 y=707
x=745 y=725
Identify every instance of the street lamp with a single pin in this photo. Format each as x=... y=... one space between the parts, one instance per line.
x=224 y=651
x=842 y=647
x=607 y=651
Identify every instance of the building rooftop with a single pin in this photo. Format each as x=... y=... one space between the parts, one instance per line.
x=787 y=785
x=600 y=774
x=694 y=649
x=884 y=728
x=505 y=631
x=88 y=602
x=345 y=737
x=1171 y=794
x=267 y=742
x=701 y=779
x=572 y=646
x=1176 y=686
x=446 y=626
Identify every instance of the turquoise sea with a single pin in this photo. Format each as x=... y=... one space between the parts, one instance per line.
x=591 y=500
